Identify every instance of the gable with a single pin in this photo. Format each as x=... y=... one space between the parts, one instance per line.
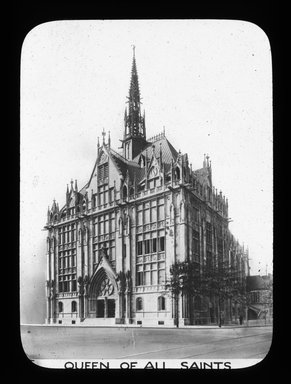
x=105 y=169
x=154 y=168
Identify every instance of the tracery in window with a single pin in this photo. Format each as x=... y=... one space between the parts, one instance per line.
x=106 y=288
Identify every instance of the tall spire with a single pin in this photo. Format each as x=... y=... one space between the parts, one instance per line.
x=134 y=138
x=134 y=94
x=134 y=121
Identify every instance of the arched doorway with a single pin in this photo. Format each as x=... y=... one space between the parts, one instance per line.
x=102 y=296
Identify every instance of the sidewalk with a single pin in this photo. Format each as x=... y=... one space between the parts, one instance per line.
x=212 y=326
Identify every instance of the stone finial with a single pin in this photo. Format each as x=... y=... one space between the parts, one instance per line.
x=103 y=134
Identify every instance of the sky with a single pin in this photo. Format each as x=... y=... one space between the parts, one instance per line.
x=208 y=82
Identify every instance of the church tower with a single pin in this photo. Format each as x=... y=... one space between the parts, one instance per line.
x=134 y=139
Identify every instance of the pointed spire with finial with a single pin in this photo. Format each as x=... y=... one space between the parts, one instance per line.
x=207 y=160
x=204 y=161
x=134 y=94
x=154 y=150
x=54 y=206
x=134 y=122
x=103 y=134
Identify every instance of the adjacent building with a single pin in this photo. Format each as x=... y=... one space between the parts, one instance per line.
x=260 y=297
x=111 y=245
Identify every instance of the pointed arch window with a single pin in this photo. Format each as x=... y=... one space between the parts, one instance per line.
x=141 y=161
x=124 y=192
x=177 y=173
x=139 y=304
x=61 y=306
x=74 y=306
x=154 y=172
x=161 y=303
x=131 y=191
x=208 y=234
x=195 y=245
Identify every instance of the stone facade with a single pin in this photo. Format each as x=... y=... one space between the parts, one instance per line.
x=111 y=246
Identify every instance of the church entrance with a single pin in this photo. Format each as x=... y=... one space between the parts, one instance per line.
x=100 y=308
x=102 y=297
x=105 y=308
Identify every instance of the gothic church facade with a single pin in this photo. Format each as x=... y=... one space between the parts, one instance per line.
x=110 y=247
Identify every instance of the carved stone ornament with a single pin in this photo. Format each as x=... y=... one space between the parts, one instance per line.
x=86 y=284
x=103 y=158
x=51 y=288
x=121 y=282
x=128 y=281
x=81 y=285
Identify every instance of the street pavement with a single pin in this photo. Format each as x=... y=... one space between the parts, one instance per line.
x=59 y=342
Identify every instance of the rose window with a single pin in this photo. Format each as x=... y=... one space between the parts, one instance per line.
x=106 y=288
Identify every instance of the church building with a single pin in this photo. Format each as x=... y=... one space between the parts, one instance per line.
x=111 y=245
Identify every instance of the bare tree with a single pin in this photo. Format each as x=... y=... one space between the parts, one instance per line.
x=220 y=281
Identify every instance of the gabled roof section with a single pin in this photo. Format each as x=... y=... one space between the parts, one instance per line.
x=202 y=176
x=120 y=162
x=117 y=160
x=169 y=153
x=123 y=165
x=83 y=190
x=136 y=173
